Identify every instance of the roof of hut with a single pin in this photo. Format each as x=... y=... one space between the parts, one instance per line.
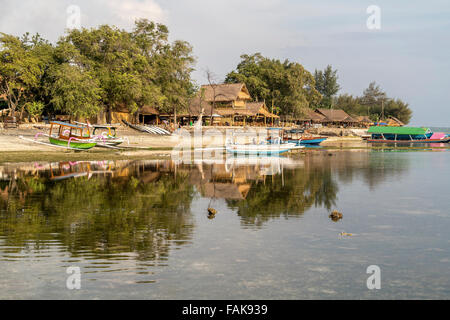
x=259 y=108
x=195 y=110
x=397 y=121
x=311 y=115
x=337 y=115
x=364 y=119
x=148 y=110
x=224 y=91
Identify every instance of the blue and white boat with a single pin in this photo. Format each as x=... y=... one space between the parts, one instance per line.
x=261 y=148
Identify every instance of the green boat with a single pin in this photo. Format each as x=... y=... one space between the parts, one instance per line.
x=389 y=134
x=70 y=136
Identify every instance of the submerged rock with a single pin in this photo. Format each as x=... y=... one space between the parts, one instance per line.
x=335 y=215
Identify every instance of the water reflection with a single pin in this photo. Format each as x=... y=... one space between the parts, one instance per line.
x=107 y=213
x=96 y=208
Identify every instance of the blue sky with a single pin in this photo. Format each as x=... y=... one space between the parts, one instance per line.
x=408 y=57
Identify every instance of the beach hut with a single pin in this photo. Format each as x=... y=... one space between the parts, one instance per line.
x=148 y=115
x=364 y=121
x=260 y=114
x=394 y=122
x=336 y=117
x=228 y=100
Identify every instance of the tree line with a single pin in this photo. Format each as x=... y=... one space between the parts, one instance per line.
x=289 y=89
x=95 y=71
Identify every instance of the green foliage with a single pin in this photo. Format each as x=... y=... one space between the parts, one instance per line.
x=35 y=108
x=75 y=92
x=20 y=68
x=374 y=103
x=326 y=84
x=98 y=69
x=286 y=85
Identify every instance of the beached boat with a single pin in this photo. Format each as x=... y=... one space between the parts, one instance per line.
x=104 y=133
x=148 y=129
x=386 y=134
x=261 y=148
x=299 y=137
x=70 y=135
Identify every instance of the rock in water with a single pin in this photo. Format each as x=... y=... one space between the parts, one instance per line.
x=335 y=215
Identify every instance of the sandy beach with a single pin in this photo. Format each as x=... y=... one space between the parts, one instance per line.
x=141 y=145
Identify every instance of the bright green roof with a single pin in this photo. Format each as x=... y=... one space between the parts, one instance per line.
x=398 y=130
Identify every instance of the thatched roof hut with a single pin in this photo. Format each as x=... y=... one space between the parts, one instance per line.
x=148 y=110
x=335 y=115
x=310 y=115
x=225 y=92
x=362 y=119
x=196 y=106
x=394 y=122
x=260 y=108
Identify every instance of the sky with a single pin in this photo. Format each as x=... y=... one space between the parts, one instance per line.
x=408 y=56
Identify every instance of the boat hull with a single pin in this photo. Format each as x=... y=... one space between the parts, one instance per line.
x=306 y=140
x=446 y=140
x=82 y=145
x=260 y=149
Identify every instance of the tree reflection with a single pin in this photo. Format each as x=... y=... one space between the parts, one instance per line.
x=290 y=194
x=101 y=215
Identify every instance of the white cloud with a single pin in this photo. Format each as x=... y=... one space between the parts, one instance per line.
x=48 y=17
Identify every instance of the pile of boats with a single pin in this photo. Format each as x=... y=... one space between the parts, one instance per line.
x=148 y=129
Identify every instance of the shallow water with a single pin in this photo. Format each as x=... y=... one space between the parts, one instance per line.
x=140 y=229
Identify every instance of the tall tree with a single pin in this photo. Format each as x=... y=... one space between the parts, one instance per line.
x=20 y=69
x=116 y=62
x=327 y=85
x=286 y=85
x=373 y=98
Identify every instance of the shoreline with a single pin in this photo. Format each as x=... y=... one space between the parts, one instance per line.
x=142 y=146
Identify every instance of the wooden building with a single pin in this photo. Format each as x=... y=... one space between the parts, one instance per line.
x=336 y=117
x=148 y=115
x=229 y=104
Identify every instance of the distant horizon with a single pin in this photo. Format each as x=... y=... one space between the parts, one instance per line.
x=406 y=56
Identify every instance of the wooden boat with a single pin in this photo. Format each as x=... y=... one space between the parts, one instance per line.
x=108 y=135
x=148 y=129
x=312 y=140
x=385 y=134
x=105 y=134
x=261 y=148
x=70 y=135
x=299 y=137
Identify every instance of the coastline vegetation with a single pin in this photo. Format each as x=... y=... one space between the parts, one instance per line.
x=93 y=72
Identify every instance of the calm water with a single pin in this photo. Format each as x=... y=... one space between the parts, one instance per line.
x=140 y=229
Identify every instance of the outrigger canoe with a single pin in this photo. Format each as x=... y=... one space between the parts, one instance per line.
x=70 y=135
x=105 y=134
